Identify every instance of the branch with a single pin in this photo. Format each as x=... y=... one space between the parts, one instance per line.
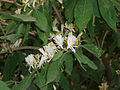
x=58 y=14
x=104 y=39
x=108 y=71
x=12 y=2
x=98 y=44
x=3 y=23
x=20 y=48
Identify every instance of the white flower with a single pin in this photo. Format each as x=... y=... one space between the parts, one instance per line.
x=54 y=25
x=58 y=39
x=54 y=87
x=29 y=2
x=43 y=52
x=44 y=57
x=17 y=43
x=50 y=49
x=42 y=61
x=71 y=42
x=60 y=1
x=30 y=60
x=18 y=11
x=25 y=1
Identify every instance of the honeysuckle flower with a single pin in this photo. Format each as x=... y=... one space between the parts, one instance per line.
x=25 y=1
x=62 y=28
x=33 y=61
x=58 y=39
x=17 y=43
x=50 y=49
x=60 y=1
x=54 y=87
x=18 y=11
x=54 y=25
x=36 y=60
x=44 y=57
x=42 y=61
x=29 y=2
x=42 y=2
x=30 y=60
x=71 y=42
x=104 y=86
x=43 y=52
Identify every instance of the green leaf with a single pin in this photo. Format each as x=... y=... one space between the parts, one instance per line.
x=19 y=17
x=52 y=71
x=63 y=58
x=108 y=12
x=40 y=80
x=8 y=5
x=11 y=27
x=25 y=18
x=57 y=55
x=12 y=37
x=27 y=29
x=20 y=29
x=58 y=76
x=64 y=83
x=96 y=11
x=91 y=28
x=47 y=10
x=43 y=36
x=9 y=68
x=84 y=59
x=25 y=83
x=93 y=49
x=83 y=13
x=69 y=9
x=41 y=20
x=3 y=86
x=11 y=64
x=68 y=63
x=116 y=4
x=32 y=87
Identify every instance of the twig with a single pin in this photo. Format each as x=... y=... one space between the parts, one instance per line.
x=12 y=2
x=98 y=44
x=3 y=23
x=21 y=48
x=106 y=64
x=104 y=39
x=58 y=14
x=4 y=10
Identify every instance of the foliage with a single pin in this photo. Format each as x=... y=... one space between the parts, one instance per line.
x=59 y=44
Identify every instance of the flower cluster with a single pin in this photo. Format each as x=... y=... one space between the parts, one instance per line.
x=59 y=41
x=29 y=3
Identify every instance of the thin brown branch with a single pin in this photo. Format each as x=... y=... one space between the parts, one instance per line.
x=21 y=48
x=11 y=2
x=3 y=23
x=104 y=39
x=58 y=14
x=96 y=37
x=107 y=68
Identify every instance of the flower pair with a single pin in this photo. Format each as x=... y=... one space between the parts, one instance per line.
x=71 y=41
